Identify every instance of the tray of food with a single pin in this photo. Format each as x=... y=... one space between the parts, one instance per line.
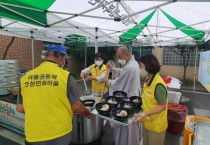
x=118 y=109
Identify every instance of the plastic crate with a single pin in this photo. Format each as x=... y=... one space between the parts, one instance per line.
x=187 y=131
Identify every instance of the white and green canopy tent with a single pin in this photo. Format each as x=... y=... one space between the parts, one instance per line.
x=108 y=22
x=132 y=22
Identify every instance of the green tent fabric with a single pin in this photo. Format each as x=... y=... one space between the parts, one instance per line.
x=193 y=33
x=75 y=40
x=131 y=34
x=9 y=9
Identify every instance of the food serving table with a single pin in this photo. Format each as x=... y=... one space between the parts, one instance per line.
x=9 y=117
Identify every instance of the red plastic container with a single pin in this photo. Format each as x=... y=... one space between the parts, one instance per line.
x=176 y=118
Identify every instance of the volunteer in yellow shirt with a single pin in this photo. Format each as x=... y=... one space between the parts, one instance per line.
x=49 y=97
x=97 y=73
x=154 y=102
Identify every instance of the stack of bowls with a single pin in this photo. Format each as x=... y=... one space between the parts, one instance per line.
x=137 y=101
x=9 y=75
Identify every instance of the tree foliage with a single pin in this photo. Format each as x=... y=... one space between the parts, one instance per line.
x=7 y=48
x=205 y=46
x=184 y=51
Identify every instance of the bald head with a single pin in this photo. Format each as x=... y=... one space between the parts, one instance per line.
x=58 y=58
x=123 y=50
x=123 y=53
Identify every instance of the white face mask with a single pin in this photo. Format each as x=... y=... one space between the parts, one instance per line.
x=143 y=73
x=99 y=63
x=122 y=61
x=62 y=65
x=43 y=56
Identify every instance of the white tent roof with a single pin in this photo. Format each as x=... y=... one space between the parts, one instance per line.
x=82 y=17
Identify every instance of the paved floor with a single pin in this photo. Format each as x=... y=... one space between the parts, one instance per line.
x=197 y=103
x=12 y=136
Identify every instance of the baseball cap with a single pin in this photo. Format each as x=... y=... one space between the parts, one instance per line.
x=56 y=48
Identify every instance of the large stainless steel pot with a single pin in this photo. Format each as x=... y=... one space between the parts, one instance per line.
x=86 y=130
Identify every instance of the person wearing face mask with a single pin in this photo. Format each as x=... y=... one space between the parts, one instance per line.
x=154 y=101
x=128 y=81
x=96 y=73
x=48 y=96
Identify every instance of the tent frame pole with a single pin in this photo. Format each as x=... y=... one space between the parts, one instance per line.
x=131 y=17
x=183 y=27
x=98 y=17
x=105 y=5
x=195 y=68
x=129 y=14
x=18 y=35
x=9 y=24
x=80 y=29
x=114 y=31
x=157 y=6
x=85 y=56
x=138 y=25
x=1 y=23
x=97 y=7
x=117 y=9
x=96 y=40
x=178 y=0
x=32 y=50
x=151 y=35
x=22 y=15
x=140 y=51
x=180 y=38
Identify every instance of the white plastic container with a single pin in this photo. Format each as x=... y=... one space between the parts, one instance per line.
x=174 y=97
x=9 y=72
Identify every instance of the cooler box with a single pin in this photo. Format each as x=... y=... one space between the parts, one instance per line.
x=176 y=118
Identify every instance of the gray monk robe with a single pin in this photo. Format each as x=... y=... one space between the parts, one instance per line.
x=128 y=81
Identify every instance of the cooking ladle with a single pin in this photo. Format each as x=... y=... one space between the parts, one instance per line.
x=86 y=92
